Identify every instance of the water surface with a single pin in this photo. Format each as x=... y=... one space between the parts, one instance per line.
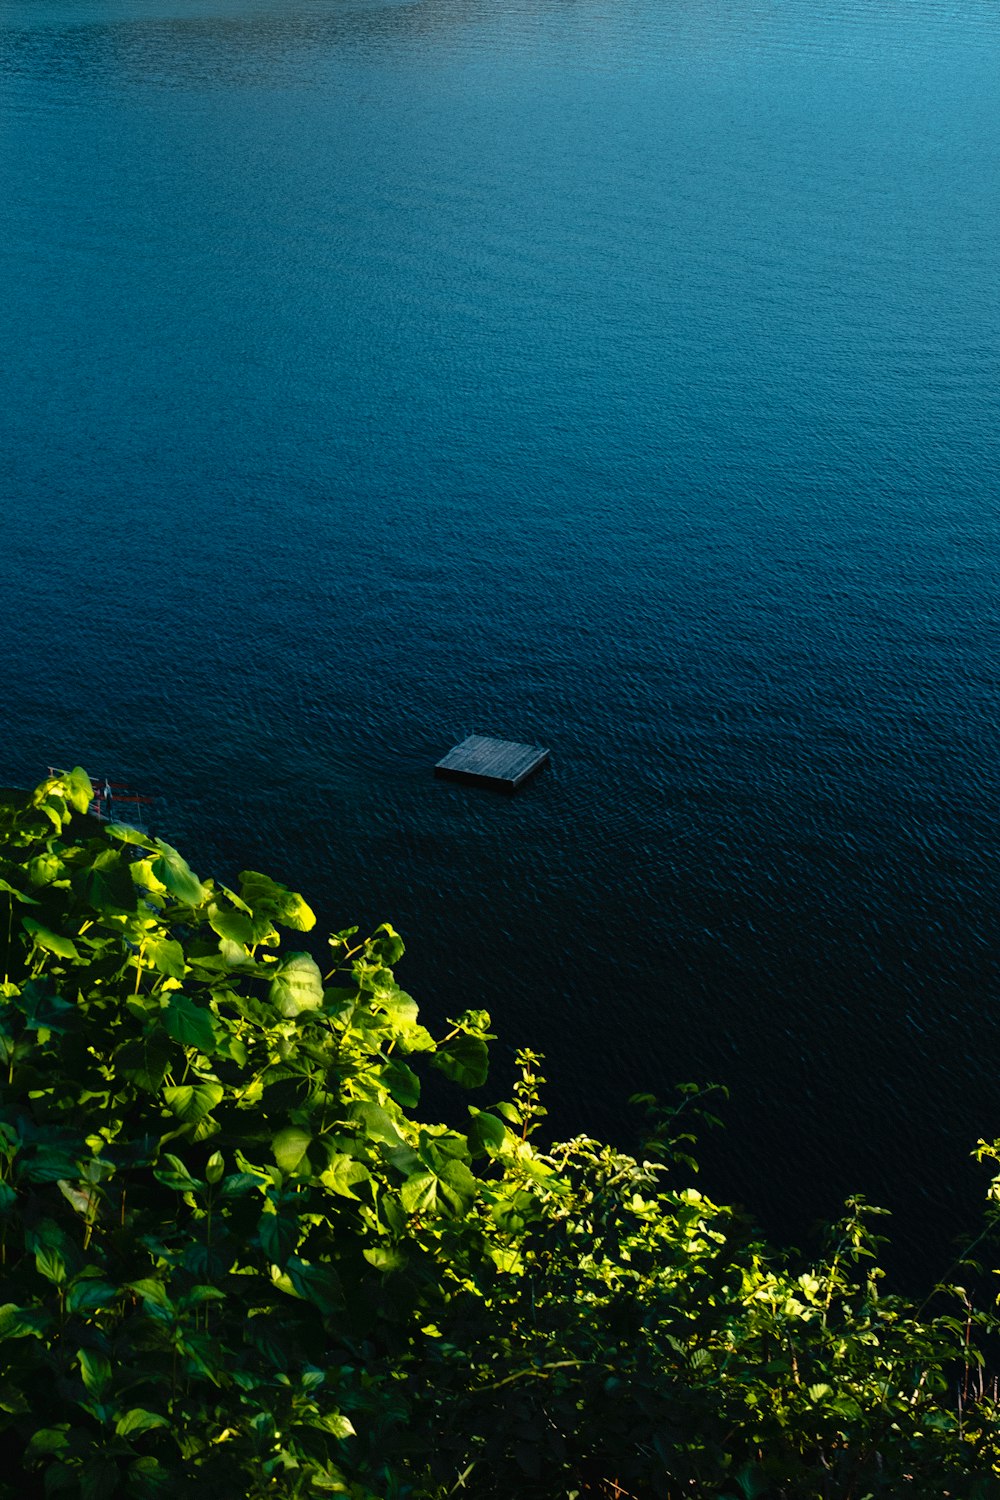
x=621 y=376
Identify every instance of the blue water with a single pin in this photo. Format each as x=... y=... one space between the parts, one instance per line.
x=623 y=376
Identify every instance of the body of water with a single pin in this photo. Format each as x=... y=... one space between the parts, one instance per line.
x=621 y=374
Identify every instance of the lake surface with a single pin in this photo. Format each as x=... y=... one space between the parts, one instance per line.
x=618 y=375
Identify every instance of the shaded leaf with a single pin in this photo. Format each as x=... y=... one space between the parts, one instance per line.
x=297 y=985
x=95 y=1370
x=465 y=1060
x=172 y=1172
x=318 y=1284
x=190 y=1024
x=147 y=1060
x=174 y=872
x=402 y=1083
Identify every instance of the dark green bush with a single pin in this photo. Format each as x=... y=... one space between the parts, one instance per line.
x=236 y=1263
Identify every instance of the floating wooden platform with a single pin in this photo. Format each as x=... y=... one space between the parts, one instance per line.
x=486 y=762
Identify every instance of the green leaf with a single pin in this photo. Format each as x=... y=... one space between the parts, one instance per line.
x=99 y=1479
x=51 y=1264
x=48 y=1440
x=449 y=1191
x=146 y=1061
x=126 y=835
x=386 y=1258
x=150 y=1480
x=193 y=1101
x=328 y=1480
x=215 y=1168
x=487 y=1134
x=89 y=1293
x=45 y=1011
x=343 y=1174
x=50 y=1161
x=190 y=1024
x=44 y=868
x=402 y=1083
x=419 y=1193
x=78 y=789
x=235 y=926
x=752 y=1481
x=400 y=1007
x=148 y=1288
x=17 y=895
x=376 y=1122
x=19 y=1322
x=106 y=883
x=239 y=1184
x=297 y=985
x=173 y=871
x=139 y=1420
x=278 y=1235
x=318 y=1284
x=465 y=1060
x=386 y=945
x=167 y=957
x=52 y=942
x=290 y=1147
x=269 y=899
x=334 y=1422
x=95 y=1370
x=84 y=1199
x=172 y=1172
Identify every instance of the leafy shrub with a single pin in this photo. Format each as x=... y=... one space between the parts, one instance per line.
x=235 y=1262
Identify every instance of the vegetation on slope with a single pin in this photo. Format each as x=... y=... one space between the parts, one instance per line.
x=236 y=1262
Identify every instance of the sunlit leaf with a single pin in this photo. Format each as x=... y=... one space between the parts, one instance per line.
x=234 y=925
x=344 y=1174
x=51 y=1264
x=193 y=1101
x=386 y=945
x=78 y=788
x=139 y=1420
x=52 y=942
x=290 y=1147
x=45 y=868
x=167 y=956
x=269 y=899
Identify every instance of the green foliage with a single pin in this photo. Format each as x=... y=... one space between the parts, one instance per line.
x=235 y=1262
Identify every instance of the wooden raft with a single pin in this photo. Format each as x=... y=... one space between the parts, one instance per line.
x=487 y=762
